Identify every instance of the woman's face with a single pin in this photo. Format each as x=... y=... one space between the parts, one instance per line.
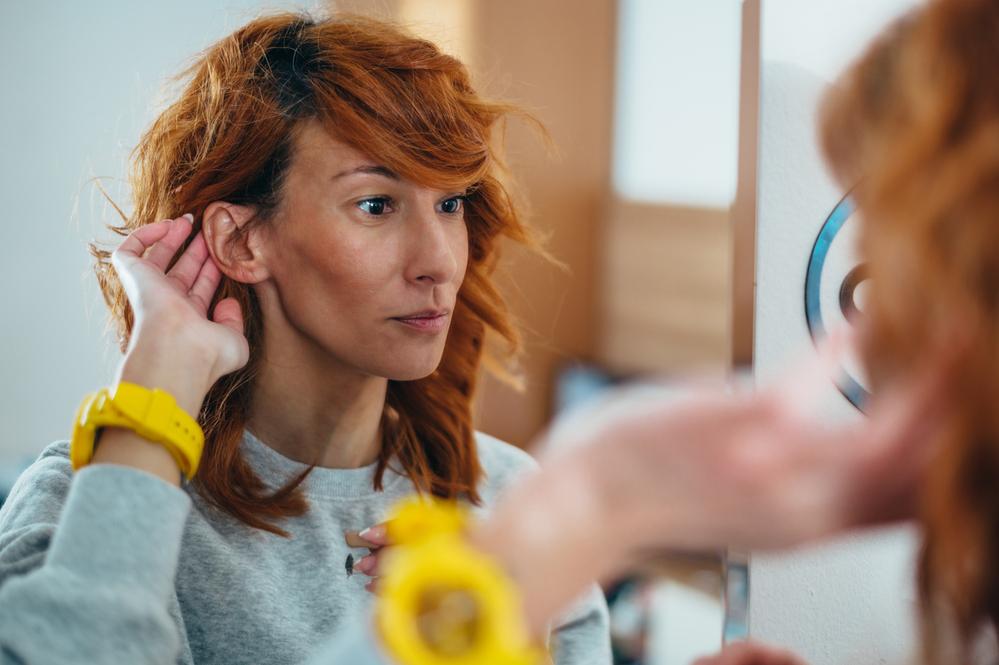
x=367 y=266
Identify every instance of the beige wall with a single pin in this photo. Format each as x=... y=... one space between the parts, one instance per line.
x=561 y=70
x=665 y=301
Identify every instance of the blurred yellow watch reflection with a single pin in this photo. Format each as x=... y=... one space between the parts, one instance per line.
x=443 y=603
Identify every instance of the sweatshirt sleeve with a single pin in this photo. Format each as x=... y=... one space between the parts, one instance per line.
x=87 y=565
x=582 y=634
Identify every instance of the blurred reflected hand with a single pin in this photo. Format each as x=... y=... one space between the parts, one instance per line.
x=751 y=653
x=758 y=470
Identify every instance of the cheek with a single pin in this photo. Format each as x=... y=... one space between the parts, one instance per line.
x=342 y=272
x=460 y=252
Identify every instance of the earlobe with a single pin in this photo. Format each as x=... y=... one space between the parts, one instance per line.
x=230 y=242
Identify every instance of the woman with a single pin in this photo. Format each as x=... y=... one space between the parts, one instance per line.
x=322 y=310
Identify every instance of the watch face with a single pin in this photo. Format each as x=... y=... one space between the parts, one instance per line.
x=835 y=284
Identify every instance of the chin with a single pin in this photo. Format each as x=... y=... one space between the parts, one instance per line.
x=412 y=369
x=412 y=373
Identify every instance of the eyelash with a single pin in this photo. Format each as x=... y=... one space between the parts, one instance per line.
x=386 y=201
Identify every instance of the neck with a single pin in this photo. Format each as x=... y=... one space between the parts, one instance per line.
x=313 y=409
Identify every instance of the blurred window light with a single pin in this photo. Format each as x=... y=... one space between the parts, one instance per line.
x=676 y=124
x=848 y=27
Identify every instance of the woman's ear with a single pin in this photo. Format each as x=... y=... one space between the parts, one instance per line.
x=236 y=251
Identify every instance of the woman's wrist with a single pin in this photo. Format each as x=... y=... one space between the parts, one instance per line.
x=182 y=370
x=124 y=447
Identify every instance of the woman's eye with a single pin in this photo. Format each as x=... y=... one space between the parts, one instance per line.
x=375 y=206
x=452 y=205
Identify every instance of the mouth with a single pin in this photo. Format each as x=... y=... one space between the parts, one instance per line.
x=429 y=321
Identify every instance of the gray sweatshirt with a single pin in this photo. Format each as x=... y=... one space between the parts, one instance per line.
x=113 y=565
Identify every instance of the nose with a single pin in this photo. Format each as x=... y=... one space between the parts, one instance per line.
x=432 y=241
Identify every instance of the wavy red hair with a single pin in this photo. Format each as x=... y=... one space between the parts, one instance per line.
x=916 y=122
x=227 y=137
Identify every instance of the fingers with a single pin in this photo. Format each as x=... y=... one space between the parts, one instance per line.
x=376 y=539
x=368 y=564
x=906 y=412
x=141 y=239
x=904 y=415
x=200 y=285
x=800 y=386
x=897 y=448
x=373 y=536
x=164 y=250
x=750 y=653
x=189 y=266
x=228 y=313
x=351 y=537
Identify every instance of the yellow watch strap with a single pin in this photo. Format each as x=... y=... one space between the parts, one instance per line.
x=151 y=413
x=159 y=418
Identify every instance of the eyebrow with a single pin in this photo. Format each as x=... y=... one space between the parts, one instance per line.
x=369 y=169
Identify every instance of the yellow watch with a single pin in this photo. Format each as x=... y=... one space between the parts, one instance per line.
x=440 y=602
x=152 y=413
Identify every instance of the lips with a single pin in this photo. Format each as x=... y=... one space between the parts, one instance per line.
x=425 y=314
x=431 y=320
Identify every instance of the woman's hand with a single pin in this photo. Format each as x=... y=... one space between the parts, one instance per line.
x=751 y=653
x=376 y=539
x=171 y=306
x=174 y=345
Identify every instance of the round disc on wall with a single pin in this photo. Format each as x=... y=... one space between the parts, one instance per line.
x=834 y=292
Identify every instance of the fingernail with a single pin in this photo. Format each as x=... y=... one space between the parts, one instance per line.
x=373 y=534
x=365 y=564
x=190 y=217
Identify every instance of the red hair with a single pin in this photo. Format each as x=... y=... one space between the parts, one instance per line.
x=228 y=137
x=916 y=121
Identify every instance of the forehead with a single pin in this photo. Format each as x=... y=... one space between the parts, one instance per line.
x=316 y=150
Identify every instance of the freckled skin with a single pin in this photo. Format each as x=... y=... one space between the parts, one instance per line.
x=342 y=273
